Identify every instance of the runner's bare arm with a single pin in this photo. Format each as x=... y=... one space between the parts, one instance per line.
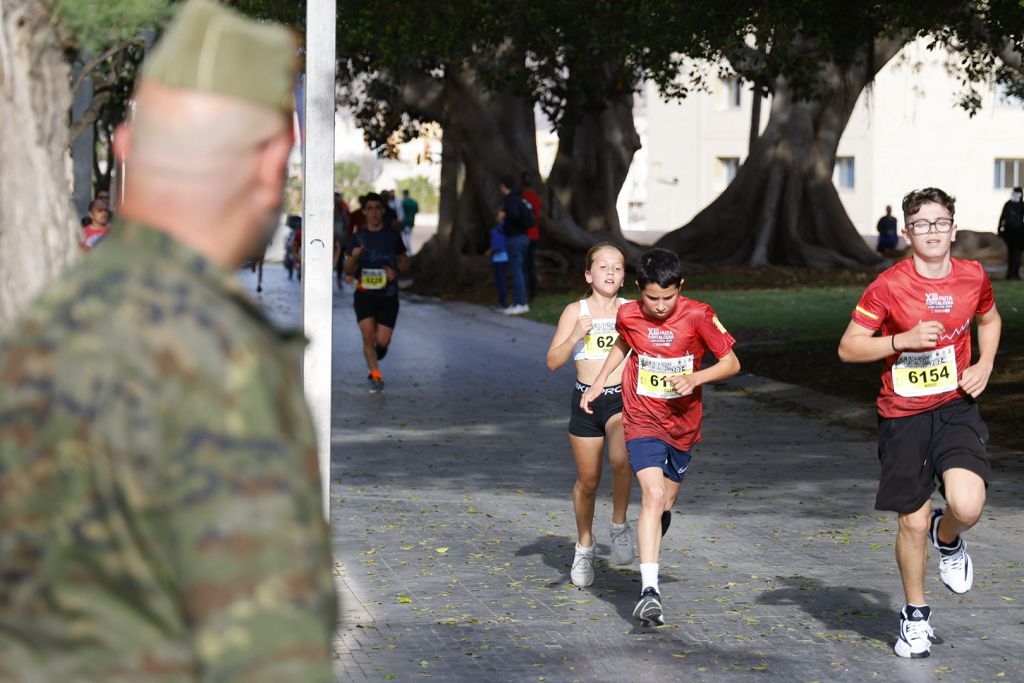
x=974 y=379
x=615 y=356
x=352 y=260
x=726 y=367
x=571 y=328
x=860 y=345
x=403 y=263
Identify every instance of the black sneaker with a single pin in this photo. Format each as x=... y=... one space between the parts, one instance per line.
x=666 y=521
x=648 y=610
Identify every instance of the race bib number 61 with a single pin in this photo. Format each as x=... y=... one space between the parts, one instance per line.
x=653 y=375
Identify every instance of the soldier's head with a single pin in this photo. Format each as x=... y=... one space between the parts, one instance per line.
x=208 y=142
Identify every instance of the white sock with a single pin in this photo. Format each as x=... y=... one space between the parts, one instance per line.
x=619 y=527
x=649 y=575
x=589 y=550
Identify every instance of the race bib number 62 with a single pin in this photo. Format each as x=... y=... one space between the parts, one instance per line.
x=653 y=375
x=599 y=341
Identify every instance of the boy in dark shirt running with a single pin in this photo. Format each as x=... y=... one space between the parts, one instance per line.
x=376 y=256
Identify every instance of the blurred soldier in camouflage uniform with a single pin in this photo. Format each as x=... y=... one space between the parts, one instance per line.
x=159 y=497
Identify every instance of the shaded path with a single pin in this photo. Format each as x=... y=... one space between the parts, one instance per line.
x=453 y=531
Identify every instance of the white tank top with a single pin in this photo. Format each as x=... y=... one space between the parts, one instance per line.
x=598 y=342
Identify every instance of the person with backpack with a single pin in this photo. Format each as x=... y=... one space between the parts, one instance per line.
x=518 y=219
x=1011 y=229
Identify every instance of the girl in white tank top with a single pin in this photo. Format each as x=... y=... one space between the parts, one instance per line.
x=585 y=334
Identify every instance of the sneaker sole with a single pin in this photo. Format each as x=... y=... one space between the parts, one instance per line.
x=908 y=653
x=650 y=614
x=970 y=582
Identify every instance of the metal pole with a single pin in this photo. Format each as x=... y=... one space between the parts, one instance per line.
x=318 y=226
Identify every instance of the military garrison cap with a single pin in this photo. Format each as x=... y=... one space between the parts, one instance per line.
x=213 y=49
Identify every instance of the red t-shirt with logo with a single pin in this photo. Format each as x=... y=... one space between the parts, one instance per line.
x=900 y=297
x=690 y=329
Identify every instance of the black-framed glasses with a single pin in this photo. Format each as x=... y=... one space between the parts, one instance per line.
x=923 y=227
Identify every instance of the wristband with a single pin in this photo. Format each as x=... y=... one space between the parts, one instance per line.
x=892 y=339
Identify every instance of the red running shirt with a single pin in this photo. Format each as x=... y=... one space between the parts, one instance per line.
x=897 y=300
x=685 y=334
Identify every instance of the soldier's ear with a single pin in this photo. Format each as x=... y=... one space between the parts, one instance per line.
x=123 y=142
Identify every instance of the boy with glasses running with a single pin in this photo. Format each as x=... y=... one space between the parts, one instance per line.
x=916 y=316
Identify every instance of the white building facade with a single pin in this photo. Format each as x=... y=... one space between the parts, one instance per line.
x=906 y=132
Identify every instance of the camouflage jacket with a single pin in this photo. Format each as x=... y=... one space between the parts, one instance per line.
x=159 y=490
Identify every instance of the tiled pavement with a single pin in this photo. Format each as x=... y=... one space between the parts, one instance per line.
x=453 y=530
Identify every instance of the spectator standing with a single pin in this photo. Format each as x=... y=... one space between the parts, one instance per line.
x=98 y=226
x=499 y=260
x=161 y=515
x=533 y=233
x=517 y=222
x=888 y=230
x=1011 y=229
x=409 y=210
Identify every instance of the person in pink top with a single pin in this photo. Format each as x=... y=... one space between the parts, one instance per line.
x=916 y=317
x=665 y=336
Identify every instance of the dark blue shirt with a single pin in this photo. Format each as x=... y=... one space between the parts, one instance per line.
x=382 y=249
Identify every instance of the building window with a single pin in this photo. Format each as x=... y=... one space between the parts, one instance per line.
x=842 y=174
x=1009 y=173
x=727 y=169
x=732 y=93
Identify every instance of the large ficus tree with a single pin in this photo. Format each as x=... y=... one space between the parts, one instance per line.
x=815 y=59
x=479 y=69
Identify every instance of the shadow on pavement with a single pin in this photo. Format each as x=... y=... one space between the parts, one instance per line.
x=866 y=611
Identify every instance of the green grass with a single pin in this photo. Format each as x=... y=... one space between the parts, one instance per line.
x=792 y=315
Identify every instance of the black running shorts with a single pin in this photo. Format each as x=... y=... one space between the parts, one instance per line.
x=382 y=307
x=605 y=407
x=916 y=450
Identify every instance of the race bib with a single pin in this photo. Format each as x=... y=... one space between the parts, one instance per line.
x=373 y=278
x=925 y=373
x=653 y=375
x=600 y=340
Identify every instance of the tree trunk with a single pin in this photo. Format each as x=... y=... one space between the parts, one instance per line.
x=37 y=224
x=594 y=155
x=486 y=135
x=782 y=208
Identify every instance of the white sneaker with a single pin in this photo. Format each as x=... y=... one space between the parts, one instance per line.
x=622 y=543
x=916 y=633
x=582 y=572
x=955 y=567
x=517 y=309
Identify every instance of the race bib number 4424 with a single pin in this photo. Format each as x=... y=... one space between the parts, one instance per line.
x=653 y=375
x=373 y=278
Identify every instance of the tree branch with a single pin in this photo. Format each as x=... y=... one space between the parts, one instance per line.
x=88 y=117
x=91 y=65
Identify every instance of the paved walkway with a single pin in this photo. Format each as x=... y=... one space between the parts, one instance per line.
x=453 y=530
